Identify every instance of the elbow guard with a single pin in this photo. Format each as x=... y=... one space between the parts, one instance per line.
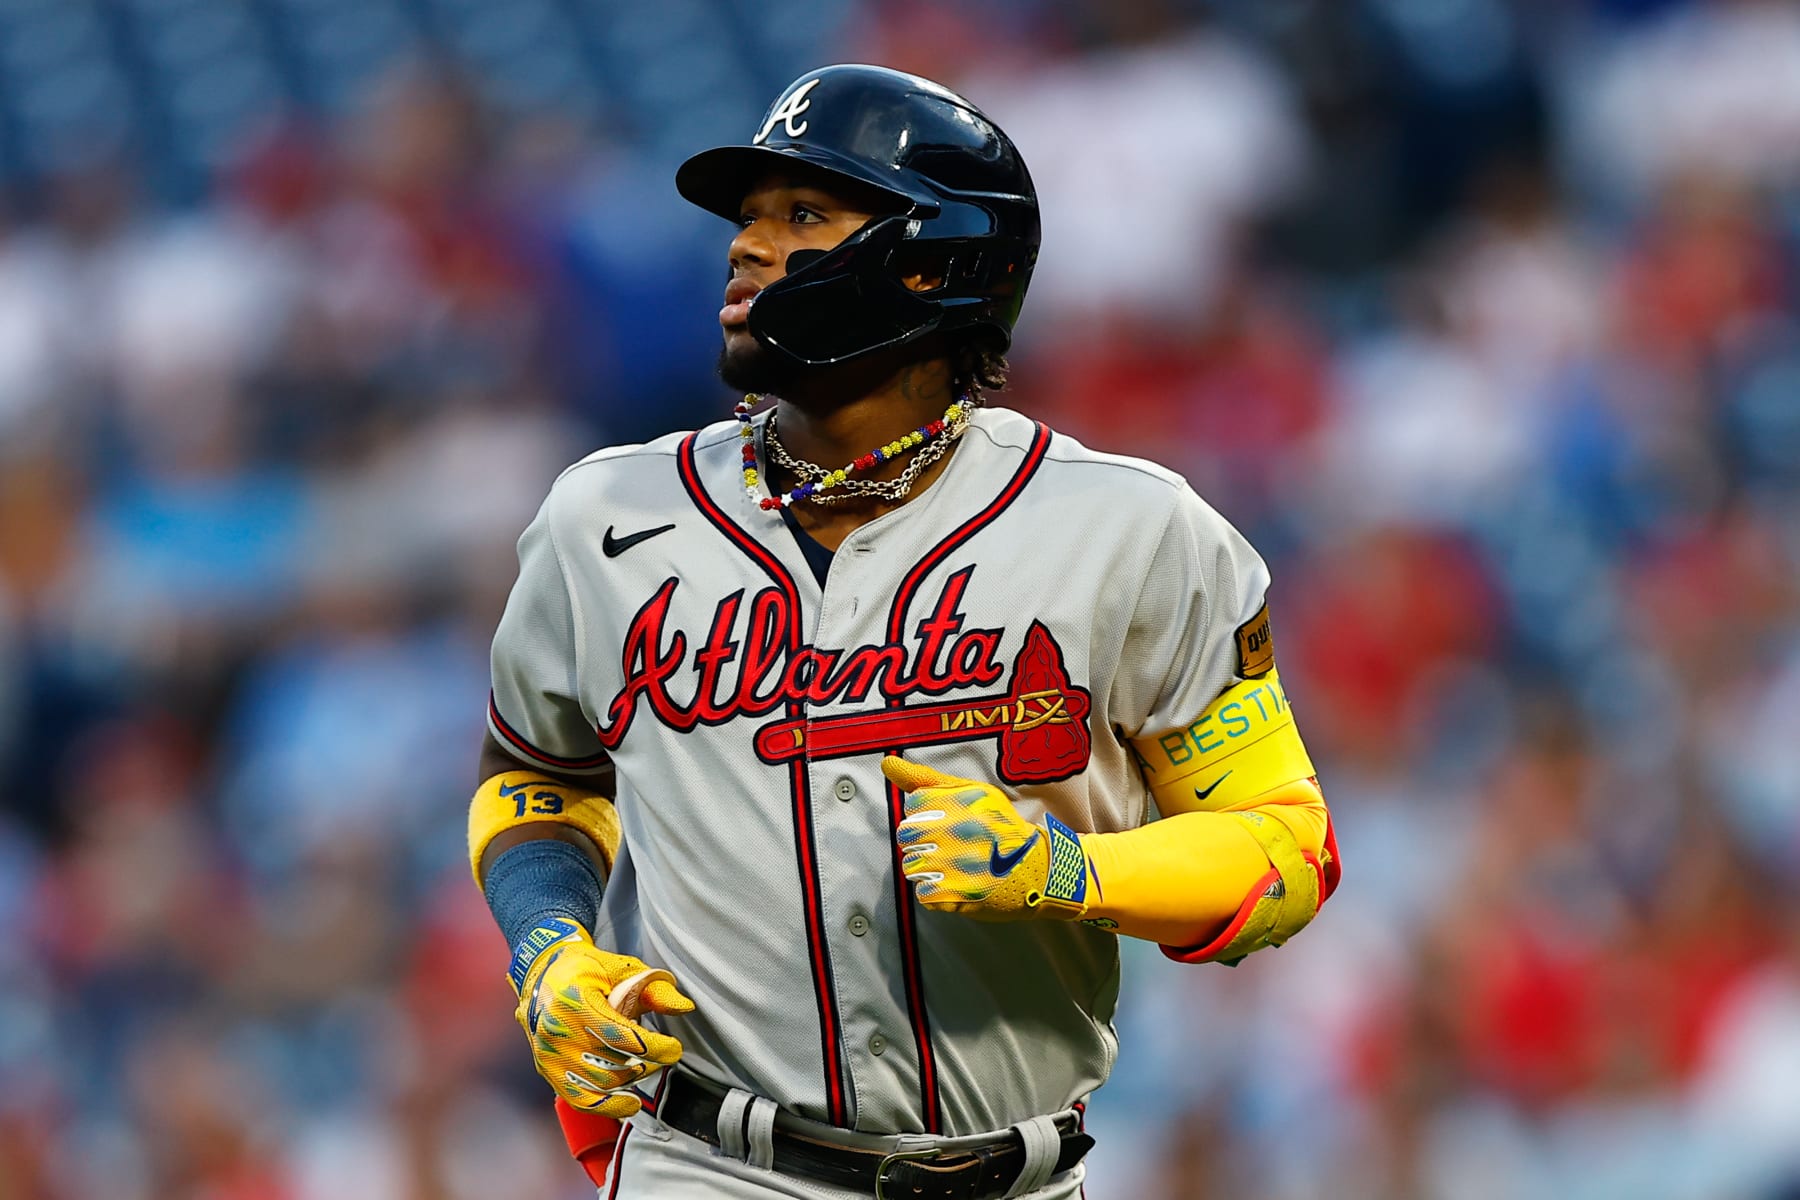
x=514 y=798
x=1281 y=903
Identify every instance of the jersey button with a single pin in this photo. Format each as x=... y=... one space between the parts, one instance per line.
x=878 y=1045
x=859 y=925
x=845 y=789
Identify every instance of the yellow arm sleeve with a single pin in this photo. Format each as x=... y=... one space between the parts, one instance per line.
x=1244 y=854
x=1181 y=880
x=514 y=798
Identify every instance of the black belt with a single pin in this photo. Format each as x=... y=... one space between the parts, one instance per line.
x=982 y=1173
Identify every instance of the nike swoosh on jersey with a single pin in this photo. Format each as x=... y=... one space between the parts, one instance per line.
x=1202 y=795
x=1001 y=864
x=613 y=547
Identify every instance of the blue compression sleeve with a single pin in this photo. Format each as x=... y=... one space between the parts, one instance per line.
x=539 y=879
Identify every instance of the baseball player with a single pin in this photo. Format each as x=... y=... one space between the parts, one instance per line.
x=832 y=748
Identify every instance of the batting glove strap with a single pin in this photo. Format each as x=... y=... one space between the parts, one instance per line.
x=1065 y=889
x=532 y=946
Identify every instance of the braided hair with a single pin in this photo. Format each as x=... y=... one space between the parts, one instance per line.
x=977 y=366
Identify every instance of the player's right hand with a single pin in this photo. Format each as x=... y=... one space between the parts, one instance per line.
x=579 y=1006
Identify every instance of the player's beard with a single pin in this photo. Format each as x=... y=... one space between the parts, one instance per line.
x=756 y=368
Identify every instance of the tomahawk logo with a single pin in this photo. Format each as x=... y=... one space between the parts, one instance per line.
x=787 y=112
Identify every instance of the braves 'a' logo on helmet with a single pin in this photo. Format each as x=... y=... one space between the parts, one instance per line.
x=787 y=112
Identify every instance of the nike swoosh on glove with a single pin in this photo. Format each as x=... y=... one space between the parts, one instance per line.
x=966 y=849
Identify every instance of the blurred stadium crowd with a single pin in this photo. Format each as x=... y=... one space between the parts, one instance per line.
x=1477 y=316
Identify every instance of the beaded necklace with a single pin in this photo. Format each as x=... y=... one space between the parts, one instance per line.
x=936 y=438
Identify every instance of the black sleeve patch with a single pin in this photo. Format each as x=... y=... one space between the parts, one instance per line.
x=1256 y=653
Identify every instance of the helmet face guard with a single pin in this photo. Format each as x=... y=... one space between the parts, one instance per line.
x=963 y=208
x=802 y=313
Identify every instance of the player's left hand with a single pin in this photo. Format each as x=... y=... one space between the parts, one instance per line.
x=967 y=850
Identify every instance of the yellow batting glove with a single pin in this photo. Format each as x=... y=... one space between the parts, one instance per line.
x=579 y=1006
x=967 y=850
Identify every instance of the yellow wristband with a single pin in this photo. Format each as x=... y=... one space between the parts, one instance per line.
x=514 y=798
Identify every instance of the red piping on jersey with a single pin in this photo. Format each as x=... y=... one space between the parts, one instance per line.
x=912 y=972
x=824 y=987
x=651 y=1101
x=618 y=1163
x=519 y=743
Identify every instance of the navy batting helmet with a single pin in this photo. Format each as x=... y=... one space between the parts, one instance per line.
x=962 y=201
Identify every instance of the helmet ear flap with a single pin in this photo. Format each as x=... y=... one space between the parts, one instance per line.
x=923 y=268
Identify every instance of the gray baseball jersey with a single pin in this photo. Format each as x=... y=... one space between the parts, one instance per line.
x=1020 y=620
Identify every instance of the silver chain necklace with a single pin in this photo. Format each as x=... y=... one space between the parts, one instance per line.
x=880 y=489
